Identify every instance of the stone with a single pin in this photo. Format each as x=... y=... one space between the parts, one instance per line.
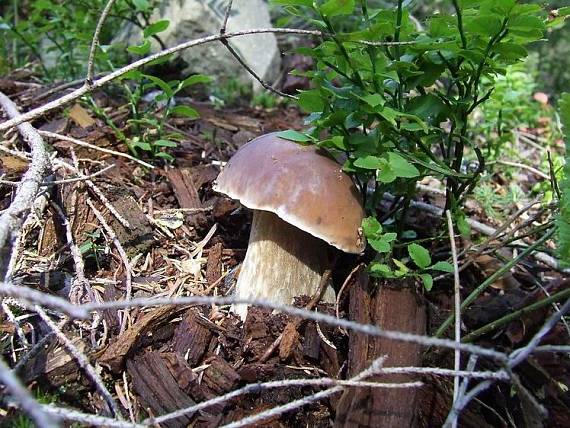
x=192 y=19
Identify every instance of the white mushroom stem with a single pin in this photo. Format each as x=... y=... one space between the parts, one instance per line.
x=281 y=262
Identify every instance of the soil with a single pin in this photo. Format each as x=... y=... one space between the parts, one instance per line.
x=184 y=239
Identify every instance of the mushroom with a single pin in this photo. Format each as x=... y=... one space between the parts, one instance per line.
x=302 y=202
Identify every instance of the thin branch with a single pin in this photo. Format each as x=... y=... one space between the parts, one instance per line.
x=24 y=398
x=78 y=93
x=258 y=387
x=291 y=310
x=39 y=346
x=82 y=312
x=8 y=277
x=515 y=315
x=122 y=254
x=492 y=278
x=64 y=181
x=94 y=147
x=95 y=42
x=86 y=418
x=275 y=411
x=535 y=171
x=29 y=297
x=82 y=361
x=226 y=17
x=254 y=74
x=457 y=302
x=98 y=193
x=13 y=217
x=520 y=355
x=81 y=284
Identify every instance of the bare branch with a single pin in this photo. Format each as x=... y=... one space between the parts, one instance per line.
x=72 y=96
x=226 y=17
x=122 y=254
x=291 y=310
x=13 y=217
x=82 y=361
x=95 y=41
x=94 y=147
x=370 y=371
x=457 y=302
x=24 y=398
x=30 y=297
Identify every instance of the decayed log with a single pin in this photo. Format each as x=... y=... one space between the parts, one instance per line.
x=389 y=308
x=157 y=388
x=191 y=338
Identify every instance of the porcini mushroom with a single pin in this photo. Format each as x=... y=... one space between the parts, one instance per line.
x=302 y=202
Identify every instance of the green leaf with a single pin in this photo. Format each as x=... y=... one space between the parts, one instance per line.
x=311 y=101
x=370 y=162
x=401 y=167
x=132 y=75
x=380 y=245
x=166 y=156
x=141 y=49
x=141 y=5
x=336 y=142
x=185 y=111
x=161 y=84
x=419 y=255
x=402 y=268
x=371 y=227
x=161 y=60
x=337 y=7
x=380 y=270
x=142 y=145
x=292 y=135
x=462 y=225
x=427 y=280
x=563 y=220
x=373 y=100
x=165 y=143
x=442 y=266
x=155 y=28
x=195 y=79
x=386 y=175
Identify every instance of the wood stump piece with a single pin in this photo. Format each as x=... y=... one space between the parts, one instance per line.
x=389 y=308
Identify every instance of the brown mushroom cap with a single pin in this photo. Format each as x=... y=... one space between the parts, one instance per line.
x=304 y=188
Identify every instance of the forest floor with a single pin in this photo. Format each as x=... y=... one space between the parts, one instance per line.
x=180 y=238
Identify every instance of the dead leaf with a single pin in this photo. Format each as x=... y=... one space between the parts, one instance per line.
x=81 y=116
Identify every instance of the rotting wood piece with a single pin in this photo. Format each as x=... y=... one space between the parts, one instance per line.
x=214 y=264
x=157 y=388
x=191 y=338
x=136 y=240
x=55 y=366
x=186 y=193
x=114 y=356
x=391 y=309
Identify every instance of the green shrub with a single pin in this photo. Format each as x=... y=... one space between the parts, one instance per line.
x=396 y=99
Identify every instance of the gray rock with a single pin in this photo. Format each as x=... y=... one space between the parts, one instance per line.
x=192 y=19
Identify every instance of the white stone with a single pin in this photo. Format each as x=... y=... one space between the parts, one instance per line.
x=192 y=19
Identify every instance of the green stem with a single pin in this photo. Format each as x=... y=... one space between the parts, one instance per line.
x=398 y=54
x=460 y=24
x=475 y=293
x=493 y=325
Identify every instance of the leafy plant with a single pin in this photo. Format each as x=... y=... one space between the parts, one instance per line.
x=396 y=100
x=92 y=248
x=148 y=95
x=57 y=35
